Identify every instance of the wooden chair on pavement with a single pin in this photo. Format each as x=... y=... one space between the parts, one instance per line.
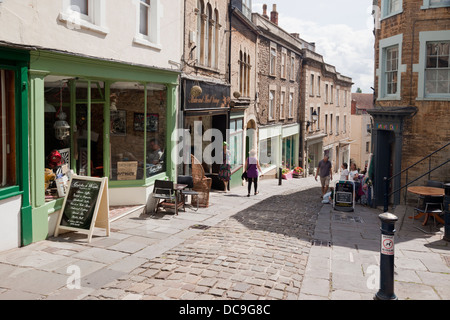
x=164 y=194
x=202 y=184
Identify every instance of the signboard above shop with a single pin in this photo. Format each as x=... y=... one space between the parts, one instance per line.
x=213 y=96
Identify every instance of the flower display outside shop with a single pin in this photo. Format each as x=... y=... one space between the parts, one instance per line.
x=298 y=172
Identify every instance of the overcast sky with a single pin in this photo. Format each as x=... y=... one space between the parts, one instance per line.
x=341 y=29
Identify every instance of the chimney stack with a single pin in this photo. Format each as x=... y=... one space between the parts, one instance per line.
x=274 y=15
x=265 y=11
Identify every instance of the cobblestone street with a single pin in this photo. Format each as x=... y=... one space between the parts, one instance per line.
x=260 y=252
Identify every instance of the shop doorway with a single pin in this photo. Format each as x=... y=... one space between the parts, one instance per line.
x=384 y=162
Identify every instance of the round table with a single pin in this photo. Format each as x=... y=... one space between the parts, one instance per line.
x=427 y=191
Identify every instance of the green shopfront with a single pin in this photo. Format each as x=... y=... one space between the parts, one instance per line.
x=102 y=119
x=15 y=210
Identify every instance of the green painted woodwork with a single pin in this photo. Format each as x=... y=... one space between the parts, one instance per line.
x=88 y=70
x=95 y=69
x=18 y=60
x=236 y=178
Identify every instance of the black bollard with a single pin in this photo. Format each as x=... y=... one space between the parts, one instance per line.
x=386 y=291
x=280 y=173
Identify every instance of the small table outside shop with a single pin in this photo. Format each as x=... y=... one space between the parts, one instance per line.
x=427 y=191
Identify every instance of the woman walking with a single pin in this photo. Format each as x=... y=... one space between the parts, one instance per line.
x=252 y=167
x=225 y=167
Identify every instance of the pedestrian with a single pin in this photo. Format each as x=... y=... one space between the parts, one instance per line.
x=324 y=169
x=225 y=167
x=344 y=171
x=251 y=167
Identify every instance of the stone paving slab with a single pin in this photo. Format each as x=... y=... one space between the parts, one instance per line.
x=256 y=248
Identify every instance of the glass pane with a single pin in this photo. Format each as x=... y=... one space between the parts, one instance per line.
x=57 y=139
x=80 y=6
x=443 y=62
x=7 y=129
x=431 y=62
x=156 y=129
x=127 y=131
x=143 y=22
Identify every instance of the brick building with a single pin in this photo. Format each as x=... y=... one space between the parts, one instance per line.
x=326 y=104
x=278 y=94
x=244 y=67
x=205 y=65
x=412 y=90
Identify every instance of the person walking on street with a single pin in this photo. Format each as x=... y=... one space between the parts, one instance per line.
x=324 y=169
x=225 y=168
x=251 y=167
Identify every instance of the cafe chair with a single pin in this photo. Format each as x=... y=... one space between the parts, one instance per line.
x=164 y=194
x=431 y=206
x=189 y=181
x=202 y=184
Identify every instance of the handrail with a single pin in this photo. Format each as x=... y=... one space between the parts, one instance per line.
x=428 y=156
x=407 y=183
x=441 y=165
x=386 y=195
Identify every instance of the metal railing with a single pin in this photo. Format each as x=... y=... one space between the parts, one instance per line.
x=387 y=180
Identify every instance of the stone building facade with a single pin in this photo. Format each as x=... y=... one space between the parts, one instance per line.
x=412 y=91
x=244 y=67
x=205 y=65
x=278 y=94
x=326 y=103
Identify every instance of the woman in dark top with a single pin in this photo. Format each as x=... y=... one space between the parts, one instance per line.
x=225 y=167
x=252 y=167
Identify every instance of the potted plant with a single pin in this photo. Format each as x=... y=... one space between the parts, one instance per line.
x=286 y=174
x=298 y=172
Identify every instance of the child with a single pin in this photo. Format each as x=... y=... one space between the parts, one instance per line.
x=344 y=172
x=329 y=196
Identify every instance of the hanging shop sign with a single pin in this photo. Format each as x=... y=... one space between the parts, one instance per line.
x=86 y=206
x=344 y=199
x=211 y=96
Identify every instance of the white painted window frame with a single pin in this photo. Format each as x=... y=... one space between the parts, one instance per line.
x=384 y=44
x=95 y=21
x=153 y=39
x=385 y=9
x=424 y=38
x=427 y=5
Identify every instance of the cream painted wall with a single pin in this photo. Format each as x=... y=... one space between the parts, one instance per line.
x=10 y=223
x=39 y=23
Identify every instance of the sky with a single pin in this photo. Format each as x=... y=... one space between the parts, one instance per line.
x=341 y=29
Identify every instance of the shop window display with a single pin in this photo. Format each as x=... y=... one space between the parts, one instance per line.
x=7 y=129
x=156 y=129
x=127 y=131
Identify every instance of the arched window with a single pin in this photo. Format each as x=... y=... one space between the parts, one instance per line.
x=217 y=40
x=241 y=73
x=200 y=31
x=245 y=75
x=208 y=36
x=248 y=75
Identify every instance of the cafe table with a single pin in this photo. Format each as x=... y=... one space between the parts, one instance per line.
x=427 y=191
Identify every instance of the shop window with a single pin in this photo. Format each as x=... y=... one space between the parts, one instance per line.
x=7 y=129
x=127 y=131
x=267 y=152
x=288 y=159
x=156 y=130
x=236 y=142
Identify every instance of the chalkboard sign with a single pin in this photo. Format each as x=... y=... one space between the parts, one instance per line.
x=344 y=199
x=86 y=205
